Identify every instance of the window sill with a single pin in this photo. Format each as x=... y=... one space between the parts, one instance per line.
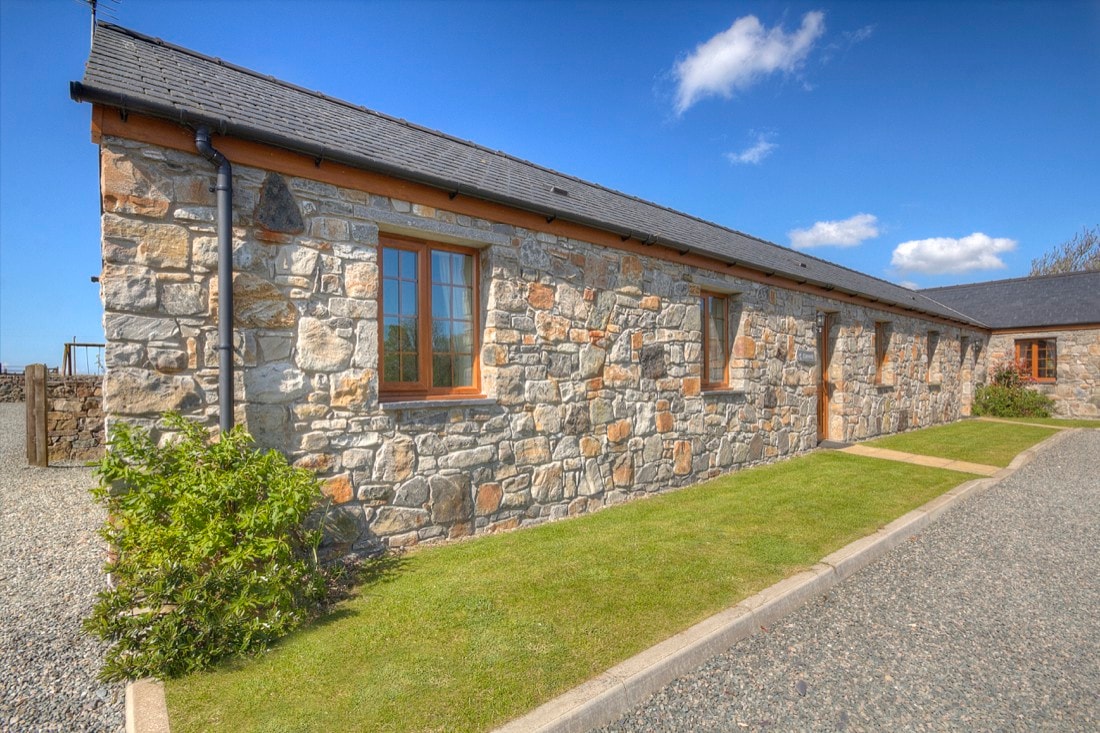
x=438 y=404
x=723 y=392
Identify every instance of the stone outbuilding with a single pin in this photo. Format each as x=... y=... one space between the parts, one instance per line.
x=458 y=341
x=1049 y=324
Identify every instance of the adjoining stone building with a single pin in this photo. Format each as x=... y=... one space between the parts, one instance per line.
x=459 y=341
x=1049 y=324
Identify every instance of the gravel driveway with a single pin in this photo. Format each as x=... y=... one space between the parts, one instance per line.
x=50 y=561
x=988 y=620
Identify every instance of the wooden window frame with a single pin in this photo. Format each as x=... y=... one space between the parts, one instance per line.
x=882 y=344
x=423 y=389
x=704 y=298
x=1032 y=346
x=933 y=366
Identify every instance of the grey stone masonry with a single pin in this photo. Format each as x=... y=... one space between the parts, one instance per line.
x=590 y=357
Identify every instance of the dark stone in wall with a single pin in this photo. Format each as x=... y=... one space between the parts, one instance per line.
x=277 y=210
x=654 y=363
x=577 y=421
x=451 y=500
x=560 y=366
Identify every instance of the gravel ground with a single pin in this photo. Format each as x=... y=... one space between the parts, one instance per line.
x=49 y=575
x=988 y=620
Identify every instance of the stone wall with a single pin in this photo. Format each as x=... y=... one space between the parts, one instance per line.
x=590 y=356
x=74 y=420
x=1076 y=390
x=12 y=387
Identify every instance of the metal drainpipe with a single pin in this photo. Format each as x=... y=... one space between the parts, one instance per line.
x=224 y=189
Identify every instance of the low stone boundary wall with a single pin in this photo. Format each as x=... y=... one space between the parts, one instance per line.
x=74 y=418
x=11 y=388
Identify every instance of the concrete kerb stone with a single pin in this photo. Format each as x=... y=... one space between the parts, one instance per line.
x=604 y=698
x=146 y=708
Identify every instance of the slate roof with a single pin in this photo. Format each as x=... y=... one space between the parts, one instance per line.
x=1027 y=302
x=141 y=74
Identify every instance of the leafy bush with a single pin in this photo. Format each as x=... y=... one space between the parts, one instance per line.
x=212 y=554
x=1008 y=396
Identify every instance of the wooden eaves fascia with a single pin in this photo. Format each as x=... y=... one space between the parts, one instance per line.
x=172 y=135
x=1045 y=329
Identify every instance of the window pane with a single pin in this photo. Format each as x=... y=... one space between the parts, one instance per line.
x=463 y=303
x=389 y=297
x=463 y=371
x=463 y=270
x=441 y=371
x=408 y=298
x=463 y=335
x=391 y=370
x=389 y=262
x=391 y=334
x=408 y=265
x=441 y=336
x=716 y=339
x=441 y=302
x=409 y=371
x=408 y=334
x=1047 y=360
x=441 y=267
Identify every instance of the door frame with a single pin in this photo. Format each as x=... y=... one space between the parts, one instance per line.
x=825 y=319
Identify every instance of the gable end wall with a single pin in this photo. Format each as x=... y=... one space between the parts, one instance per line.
x=1076 y=389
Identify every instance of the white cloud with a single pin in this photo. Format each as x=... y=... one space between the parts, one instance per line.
x=739 y=56
x=755 y=153
x=909 y=285
x=857 y=36
x=844 y=233
x=942 y=255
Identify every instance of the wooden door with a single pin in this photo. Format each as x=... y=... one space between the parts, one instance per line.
x=823 y=378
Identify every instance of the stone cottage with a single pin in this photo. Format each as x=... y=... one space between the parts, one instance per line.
x=1049 y=324
x=456 y=340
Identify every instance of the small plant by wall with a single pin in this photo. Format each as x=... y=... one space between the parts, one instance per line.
x=214 y=550
x=1008 y=395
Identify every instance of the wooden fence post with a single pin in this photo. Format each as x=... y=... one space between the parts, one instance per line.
x=37 y=400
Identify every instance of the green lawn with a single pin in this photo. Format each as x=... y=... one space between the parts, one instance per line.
x=990 y=443
x=1058 y=422
x=466 y=636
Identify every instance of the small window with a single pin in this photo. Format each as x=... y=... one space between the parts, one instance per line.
x=935 y=375
x=716 y=344
x=428 y=335
x=882 y=349
x=1038 y=358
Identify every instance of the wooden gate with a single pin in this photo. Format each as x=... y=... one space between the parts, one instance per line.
x=38 y=452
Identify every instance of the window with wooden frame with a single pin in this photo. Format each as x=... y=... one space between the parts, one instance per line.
x=716 y=340
x=1038 y=358
x=882 y=349
x=428 y=322
x=935 y=374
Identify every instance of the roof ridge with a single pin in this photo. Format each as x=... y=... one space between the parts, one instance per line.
x=981 y=283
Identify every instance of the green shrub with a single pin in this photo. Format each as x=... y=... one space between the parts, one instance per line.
x=211 y=551
x=1008 y=395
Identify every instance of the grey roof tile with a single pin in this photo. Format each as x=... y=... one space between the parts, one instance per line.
x=146 y=75
x=1027 y=302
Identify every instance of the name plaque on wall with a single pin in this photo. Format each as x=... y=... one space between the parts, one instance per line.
x=807 y=356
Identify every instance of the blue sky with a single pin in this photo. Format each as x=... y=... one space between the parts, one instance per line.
x=922 y=142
